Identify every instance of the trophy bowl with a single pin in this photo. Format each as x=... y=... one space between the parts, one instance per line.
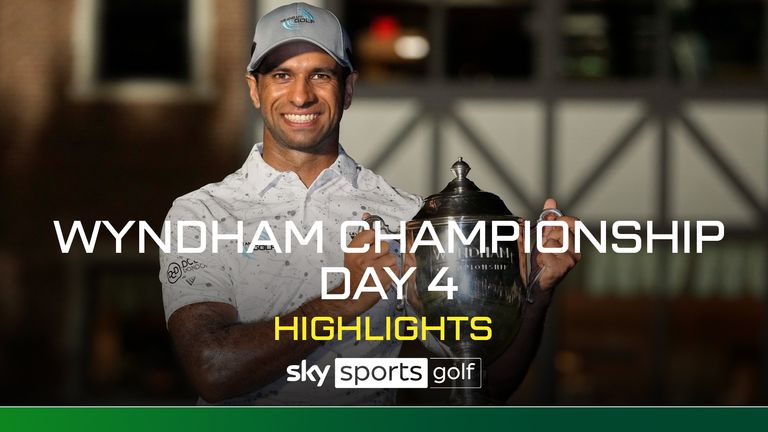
x=489 y=283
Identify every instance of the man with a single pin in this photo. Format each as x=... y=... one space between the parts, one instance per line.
x=220 y=306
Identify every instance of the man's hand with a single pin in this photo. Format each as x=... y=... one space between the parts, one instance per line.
x=225 y=357
x=357 y=263
x=556 y=265
x=507 y=372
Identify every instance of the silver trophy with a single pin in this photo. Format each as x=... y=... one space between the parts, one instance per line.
x=496 y=285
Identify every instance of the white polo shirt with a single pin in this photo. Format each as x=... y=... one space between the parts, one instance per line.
x=264 y=283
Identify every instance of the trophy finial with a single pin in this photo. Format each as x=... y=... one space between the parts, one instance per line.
x=460 y=169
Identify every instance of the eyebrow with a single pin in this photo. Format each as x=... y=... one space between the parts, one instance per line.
x=282 y=69
x=334 y=70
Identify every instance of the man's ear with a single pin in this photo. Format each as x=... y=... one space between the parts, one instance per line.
x=253 y=90
x=349 y=89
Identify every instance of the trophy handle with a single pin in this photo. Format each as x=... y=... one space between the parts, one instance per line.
x=535 y=274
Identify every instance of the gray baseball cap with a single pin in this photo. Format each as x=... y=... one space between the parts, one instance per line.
x=300 y=22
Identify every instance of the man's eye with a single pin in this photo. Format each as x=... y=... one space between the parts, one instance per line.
x=321 y=76
x=280 y=76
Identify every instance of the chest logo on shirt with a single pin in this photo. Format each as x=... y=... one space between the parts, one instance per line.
x=258 y=248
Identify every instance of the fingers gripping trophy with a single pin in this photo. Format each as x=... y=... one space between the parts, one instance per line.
x=495 y=284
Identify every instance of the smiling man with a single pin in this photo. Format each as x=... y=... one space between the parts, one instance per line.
x=221 y=307
x=301 y=93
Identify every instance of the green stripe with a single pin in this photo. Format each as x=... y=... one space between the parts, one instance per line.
x=382 y=419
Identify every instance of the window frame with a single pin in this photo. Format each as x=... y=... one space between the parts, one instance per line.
x=86 y=84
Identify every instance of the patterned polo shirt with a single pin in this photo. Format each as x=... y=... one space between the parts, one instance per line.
x=266 y=283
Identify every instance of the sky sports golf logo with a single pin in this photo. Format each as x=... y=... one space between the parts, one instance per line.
x=392 y=373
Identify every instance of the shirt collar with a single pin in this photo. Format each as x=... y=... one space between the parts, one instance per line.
x=346 y=167
x=263 y=176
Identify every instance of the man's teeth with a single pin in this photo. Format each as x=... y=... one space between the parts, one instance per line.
x=301 y=118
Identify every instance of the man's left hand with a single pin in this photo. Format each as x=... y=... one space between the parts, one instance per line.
x=556 y=265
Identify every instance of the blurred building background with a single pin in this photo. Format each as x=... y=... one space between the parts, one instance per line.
x=622 y=109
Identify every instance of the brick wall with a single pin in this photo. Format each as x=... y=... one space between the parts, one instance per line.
x=68 y=158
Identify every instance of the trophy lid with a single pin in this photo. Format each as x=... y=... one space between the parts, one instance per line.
x=461 y=197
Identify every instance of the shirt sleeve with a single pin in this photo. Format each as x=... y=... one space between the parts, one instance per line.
x=192 y=277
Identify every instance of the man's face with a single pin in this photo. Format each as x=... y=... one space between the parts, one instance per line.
x=301 y=95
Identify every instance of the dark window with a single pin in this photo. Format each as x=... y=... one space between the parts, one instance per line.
x=144 y=39
x=489 y=41
x=609 y=39
x=718 y=40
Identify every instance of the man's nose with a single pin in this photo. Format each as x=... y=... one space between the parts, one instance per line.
x=301 y=93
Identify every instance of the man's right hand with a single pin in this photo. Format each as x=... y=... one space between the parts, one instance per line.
x=225 y=357
x=357 y=263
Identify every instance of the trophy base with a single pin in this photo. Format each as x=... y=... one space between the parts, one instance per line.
x=467 y=392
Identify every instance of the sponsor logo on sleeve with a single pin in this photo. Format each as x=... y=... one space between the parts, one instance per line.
x=174 y=272
x=177 y=271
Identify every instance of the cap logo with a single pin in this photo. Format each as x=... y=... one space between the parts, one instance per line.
x=292 y=23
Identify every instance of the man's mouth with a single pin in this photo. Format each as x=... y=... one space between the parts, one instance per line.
x=300 y=118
